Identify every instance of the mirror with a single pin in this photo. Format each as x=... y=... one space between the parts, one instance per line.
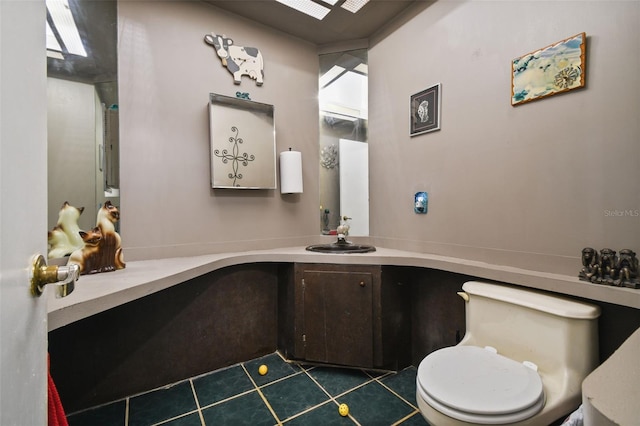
x=243 y=143
x=82 y=99
x=344 y=152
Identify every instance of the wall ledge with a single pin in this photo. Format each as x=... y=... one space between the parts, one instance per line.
x=100 y=292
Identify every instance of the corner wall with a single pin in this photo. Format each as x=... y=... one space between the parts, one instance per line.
x=525 y=186
x=166 y=72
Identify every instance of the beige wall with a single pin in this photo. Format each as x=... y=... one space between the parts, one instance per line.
x=528 y=186
x=166 y=72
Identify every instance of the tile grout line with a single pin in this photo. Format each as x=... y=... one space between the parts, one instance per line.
x=198 y=409
x=264 y=399
x=331 y=398
x=222 y=401
x=195 y=396
x=281 y=357
x=301 y=369
x=305 y=371
x=407 y=417
x=381 y=376
x=295 y=373
x=185 y=414
x=295 y=416
x=396 y=394
x=319 y=385
x=165 y=421
x=361 y=385
x=371 y=380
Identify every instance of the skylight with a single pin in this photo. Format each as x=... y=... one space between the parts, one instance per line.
x=53 y=47
x=52 y=41
x=318 y=11
x=65 y=26
x=362 y=68
x=307 y=6
x=331 y=75
x=346 y=96
x=354 y=5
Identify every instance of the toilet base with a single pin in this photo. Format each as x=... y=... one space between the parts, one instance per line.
x=547 y=416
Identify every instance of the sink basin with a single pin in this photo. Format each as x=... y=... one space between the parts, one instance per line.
x=341 y=248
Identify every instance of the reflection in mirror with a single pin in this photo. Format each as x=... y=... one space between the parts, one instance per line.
x=243 y=143
x=344 y=170
x=82 y=99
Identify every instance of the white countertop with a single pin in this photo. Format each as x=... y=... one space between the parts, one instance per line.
x=100 y=292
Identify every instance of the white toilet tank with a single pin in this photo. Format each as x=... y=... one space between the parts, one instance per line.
x=553 y=332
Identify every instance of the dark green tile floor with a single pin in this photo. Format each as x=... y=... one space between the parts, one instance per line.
x=289 y=394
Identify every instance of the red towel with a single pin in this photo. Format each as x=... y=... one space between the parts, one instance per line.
x=55 y=410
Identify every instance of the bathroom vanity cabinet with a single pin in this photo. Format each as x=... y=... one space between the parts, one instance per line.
x=352 y=315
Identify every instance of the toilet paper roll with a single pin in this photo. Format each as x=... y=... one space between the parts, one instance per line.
x=290 y=172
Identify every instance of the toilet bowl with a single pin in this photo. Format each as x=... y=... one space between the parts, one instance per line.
x=517 y=363
x=477 y=385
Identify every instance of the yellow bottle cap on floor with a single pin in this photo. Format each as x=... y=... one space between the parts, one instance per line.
x=262 y=370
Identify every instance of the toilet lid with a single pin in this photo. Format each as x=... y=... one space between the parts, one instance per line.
x=476 y=381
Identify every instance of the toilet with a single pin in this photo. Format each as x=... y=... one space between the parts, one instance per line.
x=521 y=362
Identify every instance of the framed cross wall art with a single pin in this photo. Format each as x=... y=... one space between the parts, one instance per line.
x=243 y=146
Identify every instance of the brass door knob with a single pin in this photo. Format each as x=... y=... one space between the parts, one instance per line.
x=64 y=277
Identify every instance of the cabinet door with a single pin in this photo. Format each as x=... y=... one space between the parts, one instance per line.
x=338 y=313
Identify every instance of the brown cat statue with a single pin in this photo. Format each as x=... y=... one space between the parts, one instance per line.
x=86 y=256
x=102 y=251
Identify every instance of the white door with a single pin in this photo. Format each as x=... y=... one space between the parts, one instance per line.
x=23 y=211
x=354 y=185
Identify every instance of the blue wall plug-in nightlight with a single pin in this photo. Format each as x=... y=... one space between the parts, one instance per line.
x=421 y=203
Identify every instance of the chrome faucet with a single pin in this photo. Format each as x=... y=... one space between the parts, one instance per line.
x=343 y=230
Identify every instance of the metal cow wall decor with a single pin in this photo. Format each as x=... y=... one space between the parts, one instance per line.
x=239 y=60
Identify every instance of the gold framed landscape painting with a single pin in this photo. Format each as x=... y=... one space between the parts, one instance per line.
x=554 y=69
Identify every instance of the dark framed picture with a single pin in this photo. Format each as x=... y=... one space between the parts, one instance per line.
x=425 y=111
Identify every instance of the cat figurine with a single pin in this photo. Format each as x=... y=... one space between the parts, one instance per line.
x=65 y=237
x=103 y=250
x=88 y=256
x=111 y=244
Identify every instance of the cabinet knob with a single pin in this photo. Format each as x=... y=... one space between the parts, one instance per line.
x=362 y=284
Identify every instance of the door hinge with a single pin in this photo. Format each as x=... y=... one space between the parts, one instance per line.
x=304 y=337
